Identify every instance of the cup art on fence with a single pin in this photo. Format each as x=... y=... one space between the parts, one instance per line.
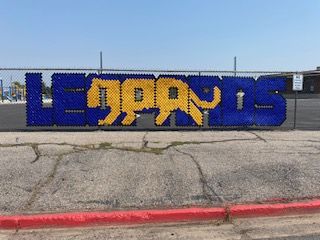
x=77 y=100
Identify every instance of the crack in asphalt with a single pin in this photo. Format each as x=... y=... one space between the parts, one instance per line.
x=108 y=146
x=175 y=144
x=258 y=136
x=41 y=184
x=36 y=151
x=203 y=180
x=105 y=146
x=208 y=191
x=49 y=178
x=144 y=141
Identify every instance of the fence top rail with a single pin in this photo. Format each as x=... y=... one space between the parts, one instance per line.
x=145 y=70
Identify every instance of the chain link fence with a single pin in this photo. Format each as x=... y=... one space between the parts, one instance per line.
x=13 y=98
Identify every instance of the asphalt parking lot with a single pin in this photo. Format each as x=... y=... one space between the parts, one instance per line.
x=13 y=118
x=108 y=170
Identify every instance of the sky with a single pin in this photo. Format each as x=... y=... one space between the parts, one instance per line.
x=270 y=35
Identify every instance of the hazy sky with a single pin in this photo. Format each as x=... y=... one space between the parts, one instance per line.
x=163 y=34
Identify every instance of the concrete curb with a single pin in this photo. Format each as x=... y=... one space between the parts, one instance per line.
x=83 y=219
x=264 y=210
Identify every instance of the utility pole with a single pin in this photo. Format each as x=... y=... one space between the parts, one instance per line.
x=235 y=65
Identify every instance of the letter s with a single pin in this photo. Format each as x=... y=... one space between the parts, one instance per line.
x=271 y=110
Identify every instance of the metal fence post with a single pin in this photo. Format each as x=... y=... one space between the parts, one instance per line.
x=235 y=66
x=103 y=92
x=295 y=109
x=101 y=64
x=1 y=88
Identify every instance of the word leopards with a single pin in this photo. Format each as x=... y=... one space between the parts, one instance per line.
x=117 y=100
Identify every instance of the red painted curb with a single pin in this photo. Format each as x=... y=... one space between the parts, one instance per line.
x=82 y=219
x=104 y=218
x=255 y=210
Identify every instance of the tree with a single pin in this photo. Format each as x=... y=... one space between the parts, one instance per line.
x=17 y=84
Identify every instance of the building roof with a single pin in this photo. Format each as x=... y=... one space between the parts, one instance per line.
x=308 y=73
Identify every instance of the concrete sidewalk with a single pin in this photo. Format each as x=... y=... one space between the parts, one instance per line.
x=80 y=171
